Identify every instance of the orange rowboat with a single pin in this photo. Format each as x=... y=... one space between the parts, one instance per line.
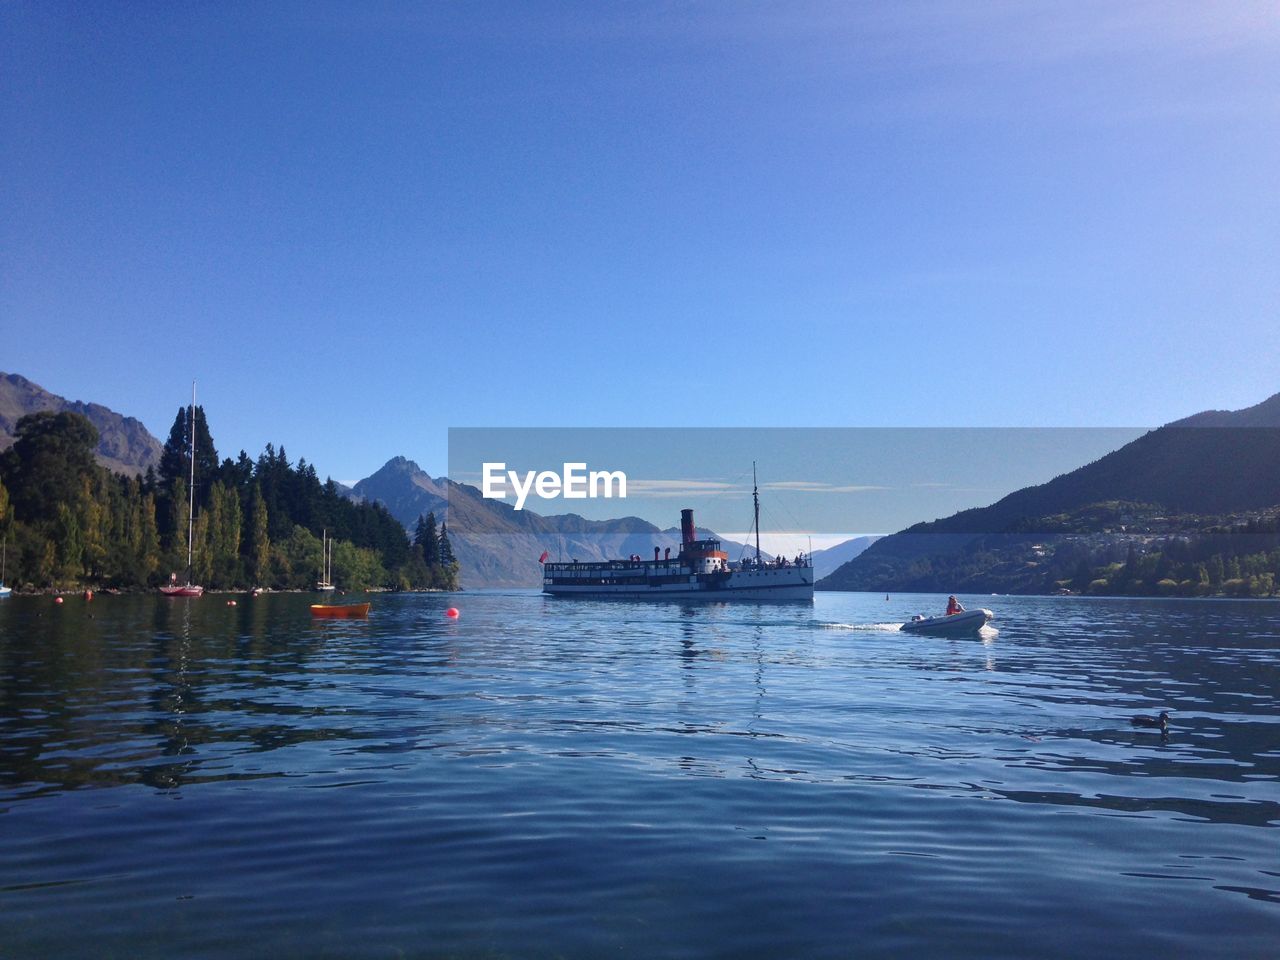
x=347 y=610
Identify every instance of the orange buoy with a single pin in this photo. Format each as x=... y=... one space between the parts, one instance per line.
x=452 y=613
x=88 y=594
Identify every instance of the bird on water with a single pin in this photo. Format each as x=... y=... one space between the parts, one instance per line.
x=1160 y=723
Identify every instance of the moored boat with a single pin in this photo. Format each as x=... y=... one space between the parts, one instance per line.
x=325 y=583
x=175 y=589
x=188 y=589
x=340 y=610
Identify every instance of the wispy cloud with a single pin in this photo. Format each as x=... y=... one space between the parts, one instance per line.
x=680 y=488
x=695 y=488
x=818 y=486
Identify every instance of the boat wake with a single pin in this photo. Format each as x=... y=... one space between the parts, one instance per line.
x=870 y=627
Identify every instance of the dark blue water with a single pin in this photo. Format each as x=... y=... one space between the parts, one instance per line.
x=560 y=778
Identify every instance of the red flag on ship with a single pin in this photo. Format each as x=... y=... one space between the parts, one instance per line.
x=543 y=558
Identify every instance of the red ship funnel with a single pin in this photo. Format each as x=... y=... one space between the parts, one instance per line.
x=686 y=527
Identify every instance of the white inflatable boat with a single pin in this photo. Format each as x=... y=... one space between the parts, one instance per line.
x=970 y=621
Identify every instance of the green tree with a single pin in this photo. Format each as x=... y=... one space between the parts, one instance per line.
x=259 y=542
x=51 y=457
x=148 y=549
x=224 y=532
x=68 y=544
x=447 y=559
x=178 y=513
x=427 y=539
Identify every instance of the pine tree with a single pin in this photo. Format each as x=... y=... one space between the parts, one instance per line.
x=206 y=456
x=173 y=459
x=427 y=540
x=259 y=542
x=148 y=539
x=447 y=559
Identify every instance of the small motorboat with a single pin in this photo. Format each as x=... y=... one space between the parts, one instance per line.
x=340 y=610
x=967 y=621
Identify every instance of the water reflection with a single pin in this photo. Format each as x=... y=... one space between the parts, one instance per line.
x=665 y=735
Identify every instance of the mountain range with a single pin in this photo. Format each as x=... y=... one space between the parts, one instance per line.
x=499 y=546
x=1217 y=467
x=826 y=562
x=1216 y=463
x=124 y=444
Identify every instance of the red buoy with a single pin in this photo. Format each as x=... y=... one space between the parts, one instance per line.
x=452 y=613
x=57 y=599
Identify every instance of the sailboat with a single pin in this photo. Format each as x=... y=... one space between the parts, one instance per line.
x=325 y=585
x=188 y=589
x=4 y=555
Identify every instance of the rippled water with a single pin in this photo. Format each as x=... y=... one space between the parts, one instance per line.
x=561 y=778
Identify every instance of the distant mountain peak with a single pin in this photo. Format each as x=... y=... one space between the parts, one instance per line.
x=497 y=545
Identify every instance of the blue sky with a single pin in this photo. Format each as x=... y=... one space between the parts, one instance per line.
x=359 y=225
x=816 y=485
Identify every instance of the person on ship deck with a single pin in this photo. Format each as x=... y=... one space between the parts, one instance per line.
x=953 y=606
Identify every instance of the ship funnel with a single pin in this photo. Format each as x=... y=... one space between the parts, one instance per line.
x=687 y=534
x=657 y=553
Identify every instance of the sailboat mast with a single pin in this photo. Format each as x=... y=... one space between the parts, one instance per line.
x=191 y=498
x=755 y=495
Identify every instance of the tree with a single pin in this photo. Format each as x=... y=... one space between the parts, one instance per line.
x=447 y=559
x=148 y=551
x=178 y=513
x=206 y=456
x=68 y=544
x=173 y=458
x=427 y=540
x=49 y=462
x=259 y=542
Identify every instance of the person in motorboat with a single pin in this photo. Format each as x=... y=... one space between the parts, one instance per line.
x=953 y=606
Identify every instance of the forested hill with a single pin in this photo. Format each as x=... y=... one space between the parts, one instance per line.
x=1215 y=462
x=70 y=522
x=1218 y=468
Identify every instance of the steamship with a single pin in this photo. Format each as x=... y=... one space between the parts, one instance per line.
x=701 y=570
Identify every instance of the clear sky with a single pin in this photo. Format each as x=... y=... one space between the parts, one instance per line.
x=831 y=483
x=357 y=225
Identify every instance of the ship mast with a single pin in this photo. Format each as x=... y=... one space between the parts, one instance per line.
x=191 y=504
x=755 y=495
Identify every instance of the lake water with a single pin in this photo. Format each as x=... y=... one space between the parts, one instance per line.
x=561 y=778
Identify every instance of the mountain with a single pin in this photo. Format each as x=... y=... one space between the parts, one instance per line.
x=1214 y=464
x=829 y=560
x=124 y=444
x=405 y=490
x=497 y=545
